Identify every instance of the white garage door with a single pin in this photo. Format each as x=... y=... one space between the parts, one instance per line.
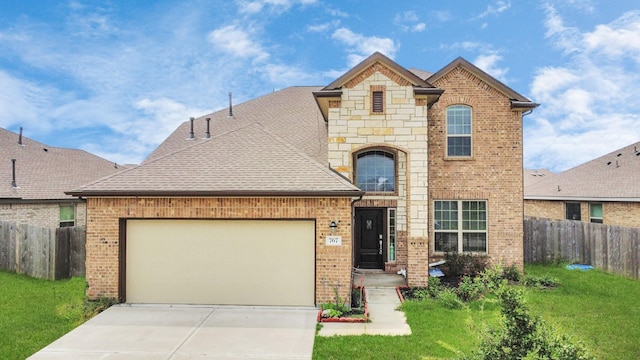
x=232 y=262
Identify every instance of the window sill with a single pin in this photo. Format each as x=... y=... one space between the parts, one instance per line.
x=459 y=158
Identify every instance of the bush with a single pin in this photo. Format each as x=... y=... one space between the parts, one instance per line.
x=470 y=289
x=449 y=299
x=524 y=336
x=460 y=264
x=541 y=282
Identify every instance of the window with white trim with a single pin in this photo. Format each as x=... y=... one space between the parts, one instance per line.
x=460 y=226
x=67 y=215
x=595 y=213
x=459 y=131
x=391 y=216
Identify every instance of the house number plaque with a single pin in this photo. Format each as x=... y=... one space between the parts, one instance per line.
x=334 y=240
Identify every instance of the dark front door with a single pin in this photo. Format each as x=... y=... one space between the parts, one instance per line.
x=369 y=238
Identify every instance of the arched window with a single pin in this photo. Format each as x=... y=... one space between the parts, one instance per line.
x=376 y=171
x=459 y=131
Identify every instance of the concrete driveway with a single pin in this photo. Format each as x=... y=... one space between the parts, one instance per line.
x=189 y=332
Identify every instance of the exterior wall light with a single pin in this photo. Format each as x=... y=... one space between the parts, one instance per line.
x=332 y=227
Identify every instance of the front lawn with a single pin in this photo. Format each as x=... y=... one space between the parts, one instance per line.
x=597 y=308
x=34 y=313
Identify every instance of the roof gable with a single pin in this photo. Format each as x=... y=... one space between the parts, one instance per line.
x=377 y=62
x=517 y=100
x=247 y=161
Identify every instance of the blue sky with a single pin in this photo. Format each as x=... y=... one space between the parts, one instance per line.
x=116 y=77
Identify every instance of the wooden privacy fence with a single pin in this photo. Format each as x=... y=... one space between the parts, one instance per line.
x=614 y=249
x=44 y=253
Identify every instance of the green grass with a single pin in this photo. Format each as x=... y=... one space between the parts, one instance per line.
x=600 y=309
x=34 y=313
x=597 y=308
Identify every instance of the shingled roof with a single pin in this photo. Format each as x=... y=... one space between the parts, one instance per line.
x=46 y=172
x=246 y=161
x=291 y=114
x=612 y=177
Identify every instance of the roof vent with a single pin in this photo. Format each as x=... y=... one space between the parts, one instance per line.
x=191 y=133
x=619 y=154
x=20 y=137
x=208 y=133
x=230 y=106
x=13 y=173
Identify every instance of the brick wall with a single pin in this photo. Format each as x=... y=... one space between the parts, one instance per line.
x=43 y=214
x=333 y=263
x=493 y=173
x=614 y=213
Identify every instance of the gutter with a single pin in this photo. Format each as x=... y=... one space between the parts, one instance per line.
x=222 y=193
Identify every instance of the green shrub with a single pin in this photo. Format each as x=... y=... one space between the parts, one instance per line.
x=449 y=299
x=542 y=282
x=459 y=264
x=523 y=336
x=471 y=289
x=434 y=286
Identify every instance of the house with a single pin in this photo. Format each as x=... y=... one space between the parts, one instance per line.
x=603 y=190
x=35 y=176
x=274 y=201
x=532 y=176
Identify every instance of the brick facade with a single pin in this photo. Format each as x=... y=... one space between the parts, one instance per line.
x=333 y=263
x=41 y=214
x=493 y=172
x=613 y=213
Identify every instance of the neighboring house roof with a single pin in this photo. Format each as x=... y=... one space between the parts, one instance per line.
x=422 y=74
x=532 y=176
x=246 y=161
x=517 y=101
x=45 y=172
x=612 y=177
x=291 y=114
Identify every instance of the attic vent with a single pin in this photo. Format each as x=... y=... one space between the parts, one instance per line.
x=377 y=104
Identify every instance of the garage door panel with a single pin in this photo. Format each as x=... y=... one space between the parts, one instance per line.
x=242 y=262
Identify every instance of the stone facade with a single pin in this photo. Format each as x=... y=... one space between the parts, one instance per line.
x=46 y=214
x=493 y=172
x=333 y=263
x=613 y=213
x=400 y=128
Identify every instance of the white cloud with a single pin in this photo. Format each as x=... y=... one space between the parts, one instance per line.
x=488 y=63
x=409 y=21
x=499 y=7
x=237 y=42
x=257 y=6
x=589 y=105
x=621 y=38
x=362 y=46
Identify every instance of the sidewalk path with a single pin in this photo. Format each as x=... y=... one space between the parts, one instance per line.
x=383 y=316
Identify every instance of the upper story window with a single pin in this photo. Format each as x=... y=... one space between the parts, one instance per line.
x=67 y=215
x=458 y=131
x=376 y=171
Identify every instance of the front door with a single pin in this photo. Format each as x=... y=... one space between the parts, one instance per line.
x=369 y=238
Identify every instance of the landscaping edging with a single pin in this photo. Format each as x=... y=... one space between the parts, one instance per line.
x=399 y=291
x=347 y=319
